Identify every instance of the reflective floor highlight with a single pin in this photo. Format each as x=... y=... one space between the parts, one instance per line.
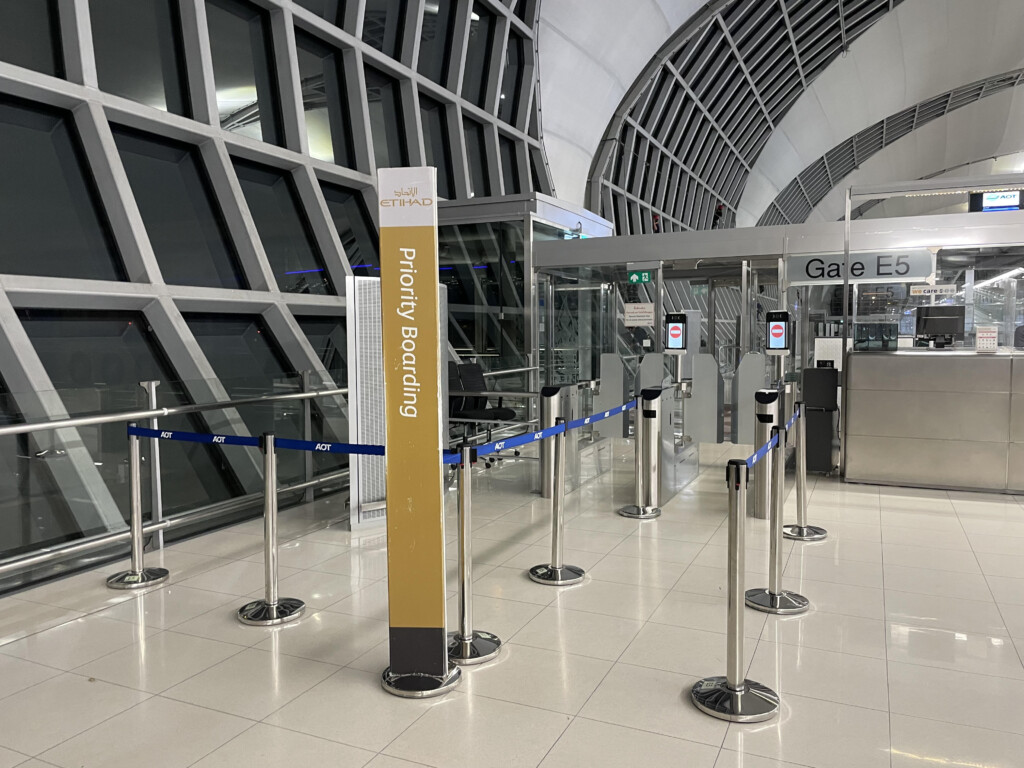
x=910 y=656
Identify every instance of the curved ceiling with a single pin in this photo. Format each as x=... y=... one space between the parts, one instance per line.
x=923 y=48
x=895 y=207
x=984 y=129
x=588 y=61
x=794 y=204
x=677 y=152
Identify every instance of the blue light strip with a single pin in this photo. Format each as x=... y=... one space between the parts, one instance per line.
x=304 y=271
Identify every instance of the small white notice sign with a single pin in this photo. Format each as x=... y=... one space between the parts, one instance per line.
x=639 y=315
x=986 y=338
x=933 y=290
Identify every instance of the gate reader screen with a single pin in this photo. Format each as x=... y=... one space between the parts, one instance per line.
x=778 y=331
x=675 y=330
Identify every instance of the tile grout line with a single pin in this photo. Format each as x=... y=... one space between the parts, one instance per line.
x=885 y=639
x=988 y=584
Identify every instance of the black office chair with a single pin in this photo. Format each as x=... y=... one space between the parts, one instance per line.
x=456 y=403
x=475 y=407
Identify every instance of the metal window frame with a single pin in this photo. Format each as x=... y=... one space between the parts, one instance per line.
x=92 y=113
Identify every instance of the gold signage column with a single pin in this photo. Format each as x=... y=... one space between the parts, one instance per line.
x=412 y=394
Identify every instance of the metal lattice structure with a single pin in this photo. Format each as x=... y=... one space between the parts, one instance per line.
x=678 y=154
x=273 y=117
x=796 y=201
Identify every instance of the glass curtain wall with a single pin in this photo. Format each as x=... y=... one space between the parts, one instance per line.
x=183 y=219
x=29 y=35
x=166 y=165
x=47 y=187
x=247 y=89
x=138 y=52
x=95 y=361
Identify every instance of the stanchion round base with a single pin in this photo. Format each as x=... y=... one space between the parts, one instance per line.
x=557 y=577
x=753 y=703
x=785 y=603
x=481 y=647
x=804 y=532
x=640 y=513
x=260 y=613
x=147 y=577
x=420 y=686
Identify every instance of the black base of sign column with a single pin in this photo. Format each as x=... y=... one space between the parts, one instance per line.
x=414 y=648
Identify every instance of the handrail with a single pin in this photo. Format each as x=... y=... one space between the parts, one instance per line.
x=491 y=393
x=62 y=551
x=156 y=413
x=510 y=371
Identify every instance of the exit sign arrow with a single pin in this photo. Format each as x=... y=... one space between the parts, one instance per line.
x=640 y=276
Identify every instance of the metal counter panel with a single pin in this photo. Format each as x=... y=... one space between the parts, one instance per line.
x=929 y=372
x=938 y=463
x=973 y=416
x=1017 y=418
x=941 y=419
x=1015 y=467
x=1017 y=376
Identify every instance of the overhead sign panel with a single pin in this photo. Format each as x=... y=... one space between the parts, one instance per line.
x=1000 y=201
x=911 y=266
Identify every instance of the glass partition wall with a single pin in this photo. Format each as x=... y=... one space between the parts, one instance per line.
x=497 y=306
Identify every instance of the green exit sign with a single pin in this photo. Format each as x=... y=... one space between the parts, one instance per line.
x=641 y=276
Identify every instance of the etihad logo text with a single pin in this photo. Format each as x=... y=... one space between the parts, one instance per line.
x=406 y=198
x=407 y=202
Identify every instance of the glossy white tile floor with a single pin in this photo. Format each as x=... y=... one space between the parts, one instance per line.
x=910 y=657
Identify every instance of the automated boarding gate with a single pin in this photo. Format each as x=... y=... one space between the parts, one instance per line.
x=600 y=312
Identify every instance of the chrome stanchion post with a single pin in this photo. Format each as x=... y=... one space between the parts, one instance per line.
x=467 y=646
x=139 y=575
x=775 y=599
x=272 y=609
x=550 y=411
x=766 y=416
x=307 y=434
x=155 y=483
x=557 y=573
x=648 y=458
x=732 y=697
x=802 y=531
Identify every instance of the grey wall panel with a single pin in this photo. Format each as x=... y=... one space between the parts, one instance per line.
x=1015 y=467
x=1017 y=376
x=974 y=416
x=939 y=463
x=1017 y=418
x=929 y=372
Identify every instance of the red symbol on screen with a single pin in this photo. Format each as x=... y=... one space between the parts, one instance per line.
x=675 y=331
x=777 y=331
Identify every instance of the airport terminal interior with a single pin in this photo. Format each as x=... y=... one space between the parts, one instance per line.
x=705 y=448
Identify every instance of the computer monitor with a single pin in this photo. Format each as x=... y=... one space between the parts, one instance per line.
x=943 y=324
